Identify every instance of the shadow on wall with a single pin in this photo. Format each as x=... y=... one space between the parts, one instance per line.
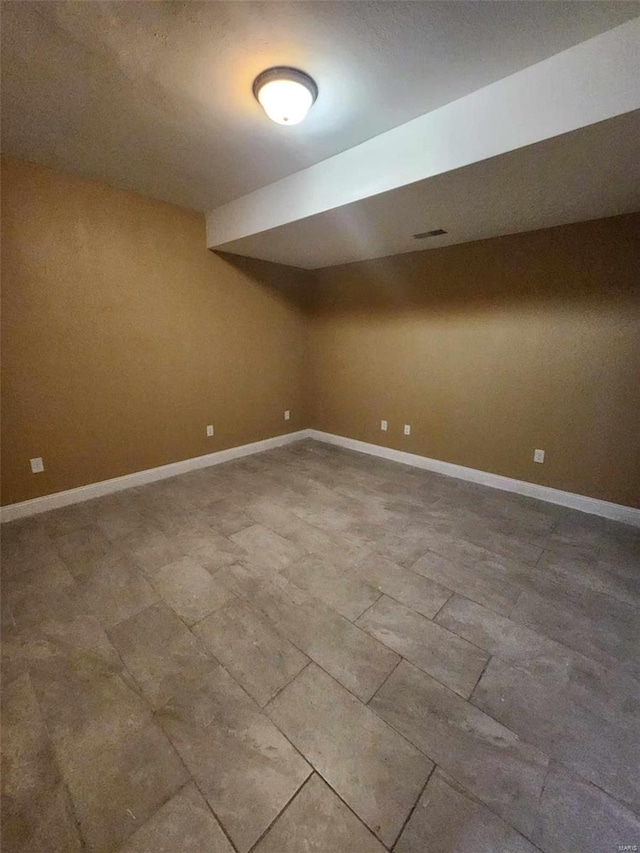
x=292 y=284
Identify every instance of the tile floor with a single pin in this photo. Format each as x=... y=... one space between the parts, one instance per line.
x=314 y=651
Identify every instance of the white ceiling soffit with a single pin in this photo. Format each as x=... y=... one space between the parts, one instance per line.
x=586 y=174
x=319 y=216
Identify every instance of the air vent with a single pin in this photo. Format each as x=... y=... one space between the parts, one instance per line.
x=435 y=233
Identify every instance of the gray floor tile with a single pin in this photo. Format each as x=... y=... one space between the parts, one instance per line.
x=189 y=589
x=11 y=647
x=208 y=548
x=79 y=548
x=259 y=658
x=119 y=781
x=535 y=699
x=44 y=595
x=497 y=634
x=350 y=655
x=78 y=642
x=594 y=625
x=161 y=653
x=484 y=583
x=26 y=555
x=66 y=639
x=403 y=547
x=29 y=766
x=245 y=768
x=576 y=816
x=598 y=576
x=327 y=581
x=151 y=548
x=114 y=518
x=450 y=544
x=266 y=548
x=66 y=519
x=609 y=693
x=448 y=820
x=564 y=679
x=330 y=512
x=376 y=772
x=308 y=538
x=46 y=824
x=184 y=823
x=116 y=591
x=275 y=512
x=114 y=759
x=479 y=532
x=492 y=763
x=228 y=517
x=421 y=594
x=448 y=658
x=317 y=821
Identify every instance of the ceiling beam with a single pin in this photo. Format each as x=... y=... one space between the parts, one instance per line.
x=591 y=82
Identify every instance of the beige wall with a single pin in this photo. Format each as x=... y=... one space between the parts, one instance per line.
x=491 y=349
x=123 y=337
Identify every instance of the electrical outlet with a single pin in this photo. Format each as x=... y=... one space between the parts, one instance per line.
x=407 y=429
x=37 y=465
x=538 y=456
x=384 y=426
x=210 y=430
x=287 y=415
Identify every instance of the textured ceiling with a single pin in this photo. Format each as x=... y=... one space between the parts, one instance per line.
x=156 y=97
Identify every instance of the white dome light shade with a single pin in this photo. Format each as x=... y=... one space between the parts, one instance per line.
x=286 y=94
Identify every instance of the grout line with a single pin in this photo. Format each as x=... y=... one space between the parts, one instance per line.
x=367 y=609
x=313 y=660
x=202 y=794
x=136 y=690
x=318 y=772
x=290 y=681
x=453 y=775
x=418 y=666
x=293 y=797
x=234 y=599
x=442 y=606
x=514 y=605
x=484 y=669
x=489 y=807
x=386 y=678
x=154 y=718
x=414 y=806
x=354 y=813
x=63 y=780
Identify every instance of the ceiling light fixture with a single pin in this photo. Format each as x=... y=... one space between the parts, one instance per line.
x=285 y=94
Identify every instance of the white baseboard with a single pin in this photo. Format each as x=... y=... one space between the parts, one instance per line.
x=11 y=512
x=616 y=512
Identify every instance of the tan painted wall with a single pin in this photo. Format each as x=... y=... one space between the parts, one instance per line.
x=492 y=349
x=123 y=336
